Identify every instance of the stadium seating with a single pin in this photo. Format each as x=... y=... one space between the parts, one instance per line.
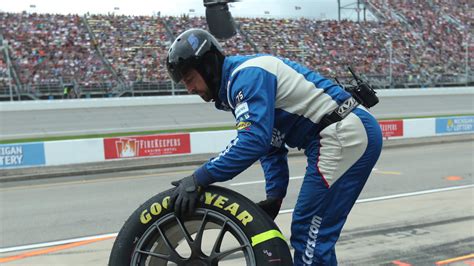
x=134 y=45
x=419 y=43
x=51 y=49
x=439 y=31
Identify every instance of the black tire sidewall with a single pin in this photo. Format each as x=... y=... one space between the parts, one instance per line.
x=250 y=218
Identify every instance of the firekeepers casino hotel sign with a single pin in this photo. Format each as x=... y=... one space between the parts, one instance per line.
x=144 y=146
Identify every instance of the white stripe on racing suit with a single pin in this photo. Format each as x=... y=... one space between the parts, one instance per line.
x=275 y=102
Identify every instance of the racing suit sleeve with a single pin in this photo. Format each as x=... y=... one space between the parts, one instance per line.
x=275 y=167
x=252 y=92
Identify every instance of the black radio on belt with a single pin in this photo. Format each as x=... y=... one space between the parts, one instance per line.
x=361 y=91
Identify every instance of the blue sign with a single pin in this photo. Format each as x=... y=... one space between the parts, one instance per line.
x=16 y=155
x=457 y=124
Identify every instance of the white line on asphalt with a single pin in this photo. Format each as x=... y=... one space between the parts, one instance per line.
x=416 y=193
x=73 y=240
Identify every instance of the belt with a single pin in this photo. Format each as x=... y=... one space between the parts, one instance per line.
x=339 y=113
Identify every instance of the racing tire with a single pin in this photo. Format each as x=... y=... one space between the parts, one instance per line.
x=225 y=227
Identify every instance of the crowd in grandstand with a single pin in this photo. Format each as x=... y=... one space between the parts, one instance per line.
x=413 y=40
x=48 y=48
x=441 y=29
x=134 y=46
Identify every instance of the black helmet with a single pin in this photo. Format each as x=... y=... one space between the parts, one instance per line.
x=198 y=49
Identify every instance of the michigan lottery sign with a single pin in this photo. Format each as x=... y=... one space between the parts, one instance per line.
x=17 y=155
x=458 y=124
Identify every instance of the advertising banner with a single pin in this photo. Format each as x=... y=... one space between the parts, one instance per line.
x=144 y=146
x=458 y=124
x=391 y=128
x=17 y=155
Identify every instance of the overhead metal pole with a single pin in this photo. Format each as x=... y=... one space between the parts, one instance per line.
x=390 y=62
x=355 y=6
x=10 y=87
x=467 y=58
x=365 y=17
x=358 y=11
x=338 y=10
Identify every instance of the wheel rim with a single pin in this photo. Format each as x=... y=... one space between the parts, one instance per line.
x=205 y=238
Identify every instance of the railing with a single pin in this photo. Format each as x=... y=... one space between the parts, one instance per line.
x=161 y=88
x=156 y=88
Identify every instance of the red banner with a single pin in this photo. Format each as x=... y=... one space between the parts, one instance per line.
x=143 y=146
x=391 y=128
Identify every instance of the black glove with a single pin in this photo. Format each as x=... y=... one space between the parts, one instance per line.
x=271 y=206
x=185 y=196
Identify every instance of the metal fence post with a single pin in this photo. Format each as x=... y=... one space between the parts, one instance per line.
x=5 y=47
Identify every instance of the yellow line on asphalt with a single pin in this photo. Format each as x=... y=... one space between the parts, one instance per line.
x=98 y=180
x=388 y=172
x=442 y=262
x=303 y=160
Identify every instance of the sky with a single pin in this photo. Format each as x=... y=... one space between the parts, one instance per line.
x=319 y=9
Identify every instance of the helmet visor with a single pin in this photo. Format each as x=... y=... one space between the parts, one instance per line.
x=178 y=67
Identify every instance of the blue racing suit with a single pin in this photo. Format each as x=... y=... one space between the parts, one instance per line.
x=277 y=104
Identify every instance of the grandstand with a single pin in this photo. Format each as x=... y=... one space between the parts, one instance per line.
x=410 y=44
